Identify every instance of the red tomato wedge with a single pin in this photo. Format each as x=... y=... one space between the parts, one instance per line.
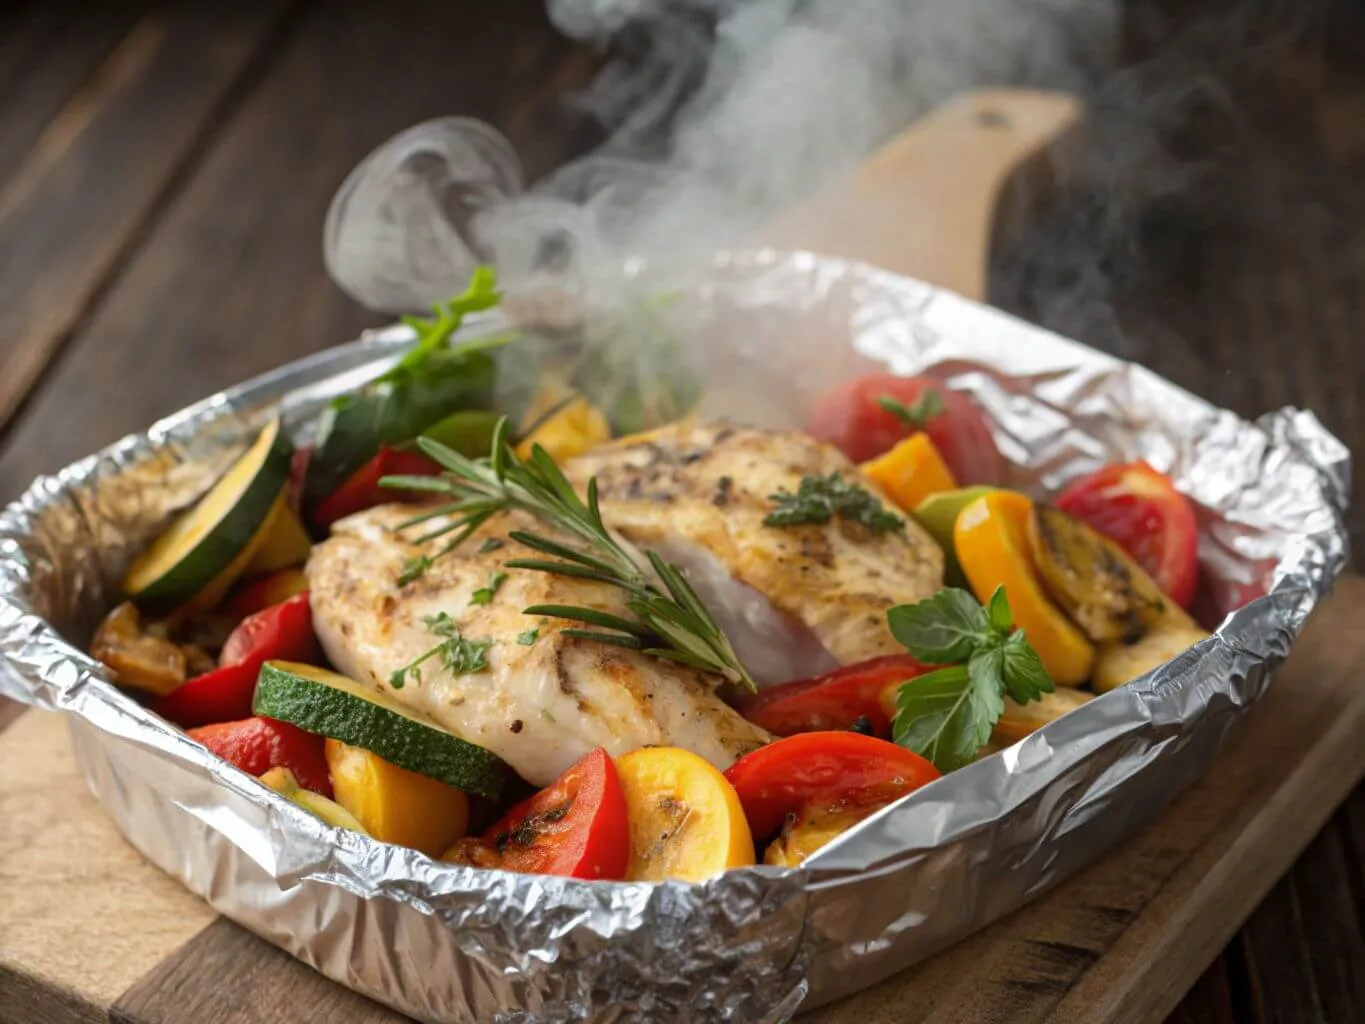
x=1140 y=510
x=835 y=700
x=258 y=744
x=361 y=489
x=854 y=418
x=576 y=826
x=828 y=768
x=282 y=632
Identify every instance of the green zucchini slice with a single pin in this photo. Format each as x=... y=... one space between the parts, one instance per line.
x=206 y=541
x=339 y=708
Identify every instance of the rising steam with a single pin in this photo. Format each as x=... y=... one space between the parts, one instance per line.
x=720 y=113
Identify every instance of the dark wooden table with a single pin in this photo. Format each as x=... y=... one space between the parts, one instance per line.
x=164 y=174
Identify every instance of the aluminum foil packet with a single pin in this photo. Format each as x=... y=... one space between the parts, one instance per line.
x=767 y=331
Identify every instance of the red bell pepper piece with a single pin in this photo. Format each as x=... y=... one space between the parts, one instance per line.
x=361 y=489
x=283 y=632
x=258 y=744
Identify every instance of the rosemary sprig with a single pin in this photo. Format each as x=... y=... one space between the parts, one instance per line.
x=669 y=619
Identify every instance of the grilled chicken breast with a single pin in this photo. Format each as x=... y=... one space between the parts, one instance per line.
x=544 y=700
x=795 y=600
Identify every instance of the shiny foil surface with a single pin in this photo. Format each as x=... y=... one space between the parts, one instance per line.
x=769 y=331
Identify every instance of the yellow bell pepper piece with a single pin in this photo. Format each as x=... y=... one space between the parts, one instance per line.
x=286 y=543
x=282 y=781
x=911 y=471
x=992 y=545
x=686 y=821
x=396 y=805
x=573 y=430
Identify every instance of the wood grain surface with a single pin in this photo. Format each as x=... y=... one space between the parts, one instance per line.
x=162 y=238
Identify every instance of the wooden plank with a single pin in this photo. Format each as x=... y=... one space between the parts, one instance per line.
x=1118 y=944
x=39 y=84
x=230 y=283
x=83 y=915
x=251 y=977
x=97 y=172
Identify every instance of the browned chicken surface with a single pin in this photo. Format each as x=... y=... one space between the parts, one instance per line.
x=545 y=699
x=794 y=599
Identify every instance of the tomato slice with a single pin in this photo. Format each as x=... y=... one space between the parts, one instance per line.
x=257 y=744
x=835 y=700
x=1139 y=509
x=830 y=769
x=576 y=826
x=853 y=418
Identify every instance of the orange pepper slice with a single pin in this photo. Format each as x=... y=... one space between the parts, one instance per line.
x=911 y=471
x=686 y=821
x=992 y=546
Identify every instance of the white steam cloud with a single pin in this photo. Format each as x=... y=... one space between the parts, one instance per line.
x=720 y=113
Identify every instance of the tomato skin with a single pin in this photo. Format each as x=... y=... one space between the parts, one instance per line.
x=835 y=700
x=851 y=418
x=283 y=631
x=826 y=768
x=576 y=826
x=257 y=744
x=1139 y=509
x=361 y=489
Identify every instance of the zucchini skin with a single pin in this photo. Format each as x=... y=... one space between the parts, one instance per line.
x=218 y=548
x=393 y=411
x=316 y=707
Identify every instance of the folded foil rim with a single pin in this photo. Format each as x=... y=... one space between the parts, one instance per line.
x=445 y=943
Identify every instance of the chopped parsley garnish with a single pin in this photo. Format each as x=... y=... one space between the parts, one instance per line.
x=528 y=637
x=919 y=412
x=818 y=499
x=458 y=654
x=484 y=595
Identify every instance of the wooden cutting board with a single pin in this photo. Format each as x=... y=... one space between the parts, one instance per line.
x=90 y=932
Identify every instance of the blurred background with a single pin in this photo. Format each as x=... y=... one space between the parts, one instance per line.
x=166 y=173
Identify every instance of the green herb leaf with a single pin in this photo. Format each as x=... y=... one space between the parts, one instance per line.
x=1025 y=677
x=484 y=595
x=491 y=544
x=527 y=637
x=459 y=654
x=998 y=610
x=818 y=499
x=936 y=717
x=919 y=412
x=413 y=569
x=942 y=629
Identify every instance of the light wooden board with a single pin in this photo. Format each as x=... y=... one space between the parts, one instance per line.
x=88 y=929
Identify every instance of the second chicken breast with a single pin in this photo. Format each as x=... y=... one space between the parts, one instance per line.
x=795 y=600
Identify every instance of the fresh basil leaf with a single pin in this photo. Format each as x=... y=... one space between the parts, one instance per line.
x=1025 y=677
x=941 y=716
x=998 y=610
x=943 y=629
